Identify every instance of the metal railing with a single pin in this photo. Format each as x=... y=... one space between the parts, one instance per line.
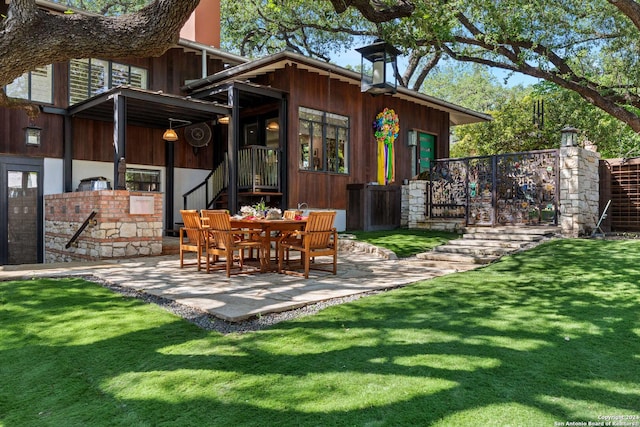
x=74 y=238
x=257 y=172
x=204 y=194
x=258 y=169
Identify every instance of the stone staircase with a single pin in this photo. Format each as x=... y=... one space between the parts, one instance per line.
x=483 y=245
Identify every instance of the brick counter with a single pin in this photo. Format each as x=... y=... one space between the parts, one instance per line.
x=121 y=230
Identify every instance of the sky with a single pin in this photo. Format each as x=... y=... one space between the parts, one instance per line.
x=352 y=58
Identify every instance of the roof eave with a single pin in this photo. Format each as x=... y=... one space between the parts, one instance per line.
x=458 y=115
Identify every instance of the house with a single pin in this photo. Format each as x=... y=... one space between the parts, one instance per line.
x=285 y=128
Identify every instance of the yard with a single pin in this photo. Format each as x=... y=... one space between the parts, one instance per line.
x=547 y=336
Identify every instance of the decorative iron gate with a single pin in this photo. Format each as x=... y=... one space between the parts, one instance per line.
x=507 y=189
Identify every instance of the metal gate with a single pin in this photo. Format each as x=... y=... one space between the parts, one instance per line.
x=506 y=189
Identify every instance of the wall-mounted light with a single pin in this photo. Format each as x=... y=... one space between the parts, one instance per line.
x=32 y=135
x=412 y=138
x=224 y=120
x=273 y=126
x=170 y=134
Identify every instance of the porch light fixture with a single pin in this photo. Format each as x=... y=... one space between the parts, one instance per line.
x=170 y=134
x=224 y=120
x=569 y=137
x=32 y=135
x=273 y=126
x=379 y=68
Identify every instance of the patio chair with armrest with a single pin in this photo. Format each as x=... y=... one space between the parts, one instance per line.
x=192 y=237
x=223 y=241
x=319 y=238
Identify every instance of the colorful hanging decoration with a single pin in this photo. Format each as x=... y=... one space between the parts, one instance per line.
x=386 y=127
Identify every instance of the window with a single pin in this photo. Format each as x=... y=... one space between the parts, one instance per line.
x=90 y=77
x=36 y=86
x=142 y=180
x=324 y=141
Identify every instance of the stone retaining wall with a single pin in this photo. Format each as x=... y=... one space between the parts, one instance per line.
x=127 y=224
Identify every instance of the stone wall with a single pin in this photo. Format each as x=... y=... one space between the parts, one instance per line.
x=127 y=224
x=578 y=203
x=579 y=191
x=414 y=212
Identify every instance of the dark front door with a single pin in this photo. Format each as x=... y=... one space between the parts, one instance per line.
x=21 y=211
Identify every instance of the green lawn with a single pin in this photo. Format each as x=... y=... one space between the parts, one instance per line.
x=404 y=242
x=547 y=336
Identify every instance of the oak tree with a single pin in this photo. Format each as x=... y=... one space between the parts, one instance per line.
x=31 y=37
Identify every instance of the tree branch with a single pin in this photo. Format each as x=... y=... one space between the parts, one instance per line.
x=51 y=38
x=376 y=11
x=630 y=8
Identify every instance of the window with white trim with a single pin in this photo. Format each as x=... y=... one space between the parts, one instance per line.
x=324 y=141
x=90 y=77
x=35 y=86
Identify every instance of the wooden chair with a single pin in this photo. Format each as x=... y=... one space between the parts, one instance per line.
x=192 y=237
x=204 y=215
x=319 y=238
x=223 y=241
x=289 y=214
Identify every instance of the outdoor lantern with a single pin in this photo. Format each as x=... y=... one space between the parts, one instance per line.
x=379 y=68
x=32 y=135
x=569 y=137
x=170 y=134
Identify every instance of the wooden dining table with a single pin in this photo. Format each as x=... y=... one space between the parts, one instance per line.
x=271 y=229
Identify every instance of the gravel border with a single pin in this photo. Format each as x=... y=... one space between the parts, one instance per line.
x=209 y=322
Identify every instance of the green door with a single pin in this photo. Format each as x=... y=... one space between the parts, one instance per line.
x=426 y=151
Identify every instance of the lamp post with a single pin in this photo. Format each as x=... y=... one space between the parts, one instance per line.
x=569 y=137
x=379 y=68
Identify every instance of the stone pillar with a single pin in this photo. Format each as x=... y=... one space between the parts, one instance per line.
x=579 y=191
x=417 y=203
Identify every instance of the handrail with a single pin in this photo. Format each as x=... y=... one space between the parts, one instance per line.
x=258 y=171
x=80 y=230
x=214 y=184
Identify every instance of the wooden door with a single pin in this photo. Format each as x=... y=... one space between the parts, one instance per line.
x=21 y=211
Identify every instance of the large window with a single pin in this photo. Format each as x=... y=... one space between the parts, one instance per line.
x=89 y=77
x=36 y=86
x=324 y=141
x=142 y=180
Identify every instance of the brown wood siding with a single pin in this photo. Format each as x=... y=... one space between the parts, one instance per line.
x=93 y=140
x=12 y=134
x=326 y=190
x=624 y=193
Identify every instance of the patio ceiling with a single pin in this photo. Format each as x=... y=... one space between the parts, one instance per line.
x=148 y=109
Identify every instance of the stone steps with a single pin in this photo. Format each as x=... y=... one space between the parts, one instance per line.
x=456 y=258
x=508 y=244
x=483 y=245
